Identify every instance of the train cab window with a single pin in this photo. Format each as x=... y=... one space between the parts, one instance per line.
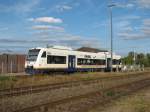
x=114 y=61
x=44 y=54
x=33 y=54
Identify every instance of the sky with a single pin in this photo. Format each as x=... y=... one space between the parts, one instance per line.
x=26 y=24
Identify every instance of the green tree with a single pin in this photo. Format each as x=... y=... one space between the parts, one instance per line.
x=141 y=58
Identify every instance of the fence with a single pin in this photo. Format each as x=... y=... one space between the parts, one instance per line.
x=130 y=68
x=12 y=63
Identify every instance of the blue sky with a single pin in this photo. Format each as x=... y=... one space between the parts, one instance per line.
x=30 y=23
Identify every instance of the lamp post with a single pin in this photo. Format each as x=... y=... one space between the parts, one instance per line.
x=111 y=27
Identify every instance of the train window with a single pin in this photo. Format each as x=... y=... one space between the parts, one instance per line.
x=119 y=61
x=79 y=61
x=56 y=59
x=102 y=62
x=44 y=54
x=82 y=61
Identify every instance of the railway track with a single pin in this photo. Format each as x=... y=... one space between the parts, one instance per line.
x=35 y=89
x=83 y=103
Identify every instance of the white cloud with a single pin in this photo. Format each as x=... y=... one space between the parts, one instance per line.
x=48 y=27
x=143 y=3
x=62 y=8
x=131 y=36
x=30 y=19
x=134 y=3
x=20 y=6
x=67 y=39
x=127 y=17
x=46 y=20
x=119 y=21
x=28 y=6
x=129 y=5
x=146 y=30
x=128 y=29
x=3 y=28
x=121 y=26
x=143 y=31
x=146 y=22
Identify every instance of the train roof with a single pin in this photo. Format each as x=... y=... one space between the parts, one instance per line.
x=81 y=51
x=89 y=49
x=60 y=47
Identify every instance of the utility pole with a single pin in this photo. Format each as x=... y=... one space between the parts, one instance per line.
x=111 y=27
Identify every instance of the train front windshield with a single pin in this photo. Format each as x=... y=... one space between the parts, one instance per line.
x=33 y=54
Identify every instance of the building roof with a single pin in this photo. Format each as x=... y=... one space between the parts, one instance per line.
x=88 y=49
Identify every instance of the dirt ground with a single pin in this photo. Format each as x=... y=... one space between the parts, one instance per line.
x=137 y=102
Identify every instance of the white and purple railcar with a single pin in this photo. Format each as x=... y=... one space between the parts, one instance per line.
x=63 y=59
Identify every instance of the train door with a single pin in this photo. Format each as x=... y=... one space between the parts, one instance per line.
x=71 y=63
x=108 y=64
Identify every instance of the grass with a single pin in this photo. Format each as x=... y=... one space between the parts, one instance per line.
x=110 y=93
x=12 y=81
x=140 y=104
x=4 y=78
x=137 y=102
x=39 y=79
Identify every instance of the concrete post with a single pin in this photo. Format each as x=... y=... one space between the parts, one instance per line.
x=11 y=66
x=2 y=67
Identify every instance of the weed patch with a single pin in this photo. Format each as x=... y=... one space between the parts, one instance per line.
x=110 y=93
